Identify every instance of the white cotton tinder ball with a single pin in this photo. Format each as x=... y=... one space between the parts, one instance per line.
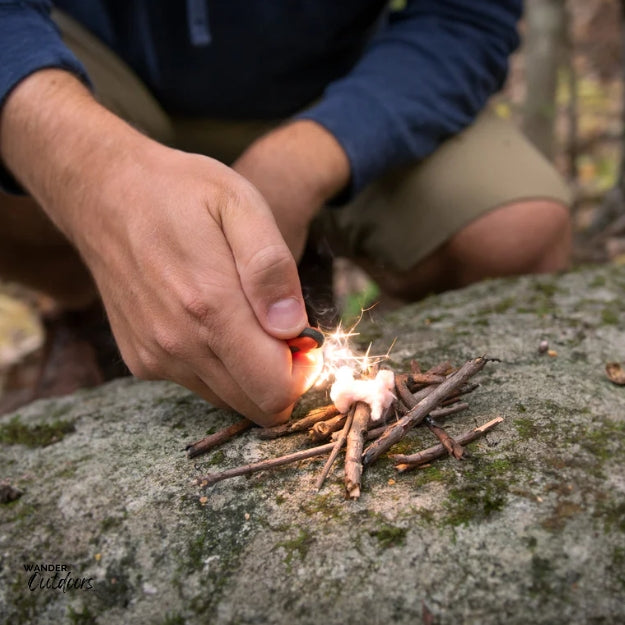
x=377 y=392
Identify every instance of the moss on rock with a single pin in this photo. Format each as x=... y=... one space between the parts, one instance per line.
x=531 y=523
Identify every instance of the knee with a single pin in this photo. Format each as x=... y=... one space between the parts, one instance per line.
x=525 y=237
x=520 y=238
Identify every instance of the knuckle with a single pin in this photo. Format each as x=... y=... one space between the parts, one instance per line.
x=170 y=343
x=230 y=195
x=202 y=309
x=270 y=264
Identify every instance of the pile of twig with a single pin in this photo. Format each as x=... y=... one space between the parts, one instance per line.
x=422 y=397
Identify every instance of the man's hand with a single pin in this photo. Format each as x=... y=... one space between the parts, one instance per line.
x=297 y=168
x=198 y=283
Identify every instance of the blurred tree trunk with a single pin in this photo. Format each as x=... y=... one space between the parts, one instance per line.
x=621 y=179
x=544 y=45
x=609 y=219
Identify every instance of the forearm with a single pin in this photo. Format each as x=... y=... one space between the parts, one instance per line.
x=57 y=141
x=302 y=155
x=184 y=251
x=297 y=168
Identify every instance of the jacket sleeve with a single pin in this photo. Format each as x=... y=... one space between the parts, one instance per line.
x=29 y=41
x=423 y=78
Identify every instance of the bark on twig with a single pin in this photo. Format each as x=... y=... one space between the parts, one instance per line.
x=353 y=455
x=270 y=463
x=440 y=413
x=422 y=408
x=437 y=413
x=464 y=390
x=301 y=425
x=443 y=368
x=340 y=441
x=210 y=442
x=323 y=430
x=453 y=447
x=406 y=462
x=426 y=378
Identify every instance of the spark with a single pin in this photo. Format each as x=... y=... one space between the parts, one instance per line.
x=337 y=353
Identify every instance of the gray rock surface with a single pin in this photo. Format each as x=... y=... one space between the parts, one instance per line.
x=530 y=529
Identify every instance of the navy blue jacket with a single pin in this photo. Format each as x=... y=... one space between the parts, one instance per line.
x=389 y=84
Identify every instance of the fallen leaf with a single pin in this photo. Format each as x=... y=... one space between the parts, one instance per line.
x=615 y=373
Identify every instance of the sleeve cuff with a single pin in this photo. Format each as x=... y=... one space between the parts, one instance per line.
x=30 y=42
x=373 y=138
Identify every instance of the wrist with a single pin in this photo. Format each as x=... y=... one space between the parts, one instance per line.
x=322 y=159
x=301 y=157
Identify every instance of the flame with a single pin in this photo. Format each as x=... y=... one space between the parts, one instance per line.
x=337 y=354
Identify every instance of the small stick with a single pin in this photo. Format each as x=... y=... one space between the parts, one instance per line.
x=442 y=368
x=213 y=440
x=412 y=461
x=340 y=441
x=424 y=392
x=465 y=390
x=323 y=430
x=306 y=422
x=270 y=463
x=453 y=448
x=422 y=408
x=437 y=413
x=401 y=386
x=353 y=454
x=376 y=432
x=426 y=378
x=370 y=435
x=412 y=399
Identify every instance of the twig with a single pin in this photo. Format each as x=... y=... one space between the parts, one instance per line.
x=323 y=430
x=407 y=462
x=340 y=441
x=464 y=390
x=426 y=378
x=306 y=422
x=422 y=408
x=453 y=447
x=428 y=390
x=353 y=454
x=209 y=442
x=411 y=399
x=212 y=478
x=437 y=413
x=401 y=386
x=443 y=368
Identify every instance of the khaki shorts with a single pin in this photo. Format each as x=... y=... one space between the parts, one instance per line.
x=396 y=221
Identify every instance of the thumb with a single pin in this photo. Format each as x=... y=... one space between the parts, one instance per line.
x=266 y=267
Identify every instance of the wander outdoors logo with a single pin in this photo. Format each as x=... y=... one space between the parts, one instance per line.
x=47 y=576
